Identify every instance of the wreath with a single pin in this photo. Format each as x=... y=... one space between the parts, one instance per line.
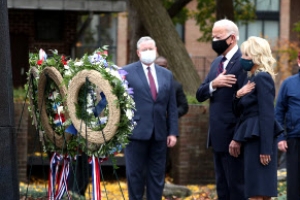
x=51 y=92
x=80 y=105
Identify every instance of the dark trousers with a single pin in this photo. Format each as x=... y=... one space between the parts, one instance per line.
x=145 y=167
x=293 y=169
x=78 y=179
x=229 y=172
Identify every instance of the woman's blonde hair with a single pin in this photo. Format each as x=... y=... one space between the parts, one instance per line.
x=260 y=52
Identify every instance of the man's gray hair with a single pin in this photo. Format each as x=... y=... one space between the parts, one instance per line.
x=143 y=39
x=230 y=26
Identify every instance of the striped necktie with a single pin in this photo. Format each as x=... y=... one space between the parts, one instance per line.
x=221 y=65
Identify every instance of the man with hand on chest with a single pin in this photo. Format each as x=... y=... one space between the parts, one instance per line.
x=225 y=77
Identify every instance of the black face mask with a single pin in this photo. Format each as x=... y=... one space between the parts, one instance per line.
x=220 y=46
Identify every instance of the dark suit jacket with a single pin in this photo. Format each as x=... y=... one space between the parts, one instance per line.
x=222 y=120
x=150 y=115
x=182 y=104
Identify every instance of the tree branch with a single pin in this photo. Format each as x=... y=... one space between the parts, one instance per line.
x=177 y=7
x=225 y=9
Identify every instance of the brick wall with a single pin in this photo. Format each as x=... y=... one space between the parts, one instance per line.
x=21 y=124
x=192 y=34
x=192 y=162
x=23 y=22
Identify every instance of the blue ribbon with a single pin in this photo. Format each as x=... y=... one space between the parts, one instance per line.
x=71 y=129
x=101 y=105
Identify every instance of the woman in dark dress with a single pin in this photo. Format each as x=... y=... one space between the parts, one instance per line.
x=255 y=132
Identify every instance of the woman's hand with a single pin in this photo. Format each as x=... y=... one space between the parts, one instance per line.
x=245 y=89
x=234 y=148
x=265 y=159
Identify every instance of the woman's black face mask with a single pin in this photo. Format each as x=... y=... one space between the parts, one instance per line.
x=220 y=46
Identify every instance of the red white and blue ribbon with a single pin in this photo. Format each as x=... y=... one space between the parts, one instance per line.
x=59 y=117
x=57 y=186
x=54 y=165
x=62 y=187
x=95 y=178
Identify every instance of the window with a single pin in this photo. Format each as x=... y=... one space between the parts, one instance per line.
x=180 y=30
x=102 y=30
x=266 y=24
x=266 y=5
x=49 y=25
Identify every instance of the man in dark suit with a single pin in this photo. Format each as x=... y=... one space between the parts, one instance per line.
x=182 y=104
x=224 y=78
x=155 y=99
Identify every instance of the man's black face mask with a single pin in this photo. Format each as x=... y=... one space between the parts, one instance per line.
x=220 y=46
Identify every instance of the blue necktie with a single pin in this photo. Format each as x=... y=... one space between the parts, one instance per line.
x=152 y=84
x=221 y=65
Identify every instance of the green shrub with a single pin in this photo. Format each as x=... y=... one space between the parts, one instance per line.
x=192 y=100
x=19 y=94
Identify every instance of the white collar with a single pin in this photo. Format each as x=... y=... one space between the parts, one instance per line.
x=230 y=53
x=146 y=66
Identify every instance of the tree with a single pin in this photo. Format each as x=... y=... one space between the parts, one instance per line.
x=136 y=28
x=224 y=9
x=160 y=27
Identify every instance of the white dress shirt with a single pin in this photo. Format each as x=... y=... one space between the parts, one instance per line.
x=153 y=72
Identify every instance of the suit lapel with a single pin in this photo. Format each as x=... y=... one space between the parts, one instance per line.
x=233 y=61
x=160 y=80
x=142 y=77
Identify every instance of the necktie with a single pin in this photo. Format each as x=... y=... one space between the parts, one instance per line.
x=152 y=84
x=221 y=65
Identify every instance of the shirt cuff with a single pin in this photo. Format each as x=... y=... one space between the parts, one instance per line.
x=211 y=89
